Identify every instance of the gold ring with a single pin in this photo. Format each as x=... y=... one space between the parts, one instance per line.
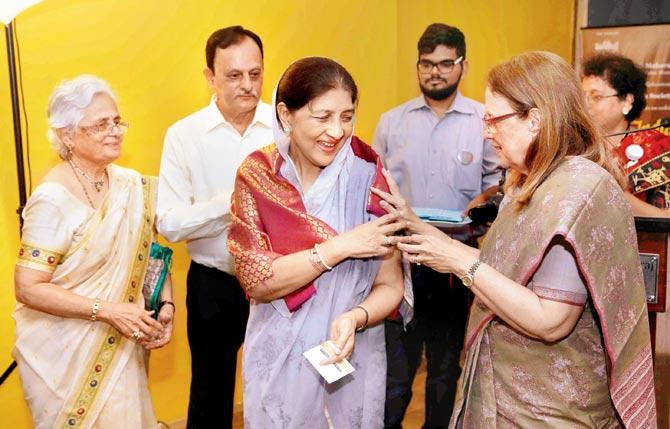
x=137 y=335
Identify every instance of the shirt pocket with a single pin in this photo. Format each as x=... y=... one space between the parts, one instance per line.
x=464 y=176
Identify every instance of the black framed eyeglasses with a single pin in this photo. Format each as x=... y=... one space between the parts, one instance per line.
x=444 y=66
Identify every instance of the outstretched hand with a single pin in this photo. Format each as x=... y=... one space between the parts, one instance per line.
x=439 y=252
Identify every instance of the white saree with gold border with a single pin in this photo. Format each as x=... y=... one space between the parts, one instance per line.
x=79 y=373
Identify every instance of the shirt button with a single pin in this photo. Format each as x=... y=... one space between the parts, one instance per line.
x=431 y=196
x=432 y=173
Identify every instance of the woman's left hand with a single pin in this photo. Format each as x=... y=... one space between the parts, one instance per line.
x=439 y=252
x=165 y=317
x=342 y=334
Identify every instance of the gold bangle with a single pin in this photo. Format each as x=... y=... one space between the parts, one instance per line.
x=95 y=309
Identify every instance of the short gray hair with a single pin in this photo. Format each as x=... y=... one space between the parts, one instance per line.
x=66 y=105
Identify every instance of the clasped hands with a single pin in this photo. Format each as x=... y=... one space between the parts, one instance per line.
x=423 y=244
x=138 y=324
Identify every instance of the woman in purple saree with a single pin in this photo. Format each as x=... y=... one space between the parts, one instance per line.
x=315 y=262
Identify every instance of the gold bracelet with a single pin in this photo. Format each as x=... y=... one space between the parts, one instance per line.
x=95 y=309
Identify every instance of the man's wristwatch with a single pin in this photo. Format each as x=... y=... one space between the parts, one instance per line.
x=469 y=277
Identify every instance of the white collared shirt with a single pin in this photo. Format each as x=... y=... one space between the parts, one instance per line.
x=201 y=155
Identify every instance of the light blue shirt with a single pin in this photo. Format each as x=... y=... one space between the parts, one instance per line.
x=438 y=162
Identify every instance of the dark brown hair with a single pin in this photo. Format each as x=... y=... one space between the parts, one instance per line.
x=441 y=34
x=311 y=77
x=225 y=37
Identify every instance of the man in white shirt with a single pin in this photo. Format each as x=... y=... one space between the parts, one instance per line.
x=200 y=158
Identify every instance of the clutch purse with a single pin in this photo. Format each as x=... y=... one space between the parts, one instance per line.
x=158 y=267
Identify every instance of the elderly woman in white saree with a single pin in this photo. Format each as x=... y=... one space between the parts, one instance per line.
x=81 y=327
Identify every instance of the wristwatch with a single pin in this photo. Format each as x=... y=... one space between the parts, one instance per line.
x=469 y=277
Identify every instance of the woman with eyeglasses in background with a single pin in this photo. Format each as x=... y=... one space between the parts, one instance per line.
x=614 y=87
x=558 y=334
x=82 y=330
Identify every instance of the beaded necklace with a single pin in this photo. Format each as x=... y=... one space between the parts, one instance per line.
x=97 y=184
x=75 y=170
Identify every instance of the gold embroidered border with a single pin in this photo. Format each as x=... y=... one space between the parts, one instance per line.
x=106 y=352
x=38 y=257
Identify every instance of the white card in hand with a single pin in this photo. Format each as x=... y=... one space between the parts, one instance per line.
x=331 y=372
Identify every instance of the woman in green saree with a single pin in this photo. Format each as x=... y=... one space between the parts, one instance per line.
x=558 y=334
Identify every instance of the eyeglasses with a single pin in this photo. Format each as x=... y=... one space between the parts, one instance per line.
x=105 y=128
x=594 y=97
x=444 y=66
x=490 y=122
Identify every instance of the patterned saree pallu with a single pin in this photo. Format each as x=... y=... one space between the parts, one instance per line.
x=511 y=380
x=288 y=228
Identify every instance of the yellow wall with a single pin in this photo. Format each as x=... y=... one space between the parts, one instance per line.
x=11 y=402
x=152 y=52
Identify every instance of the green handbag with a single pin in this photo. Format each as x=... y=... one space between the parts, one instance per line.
x=158 y=267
